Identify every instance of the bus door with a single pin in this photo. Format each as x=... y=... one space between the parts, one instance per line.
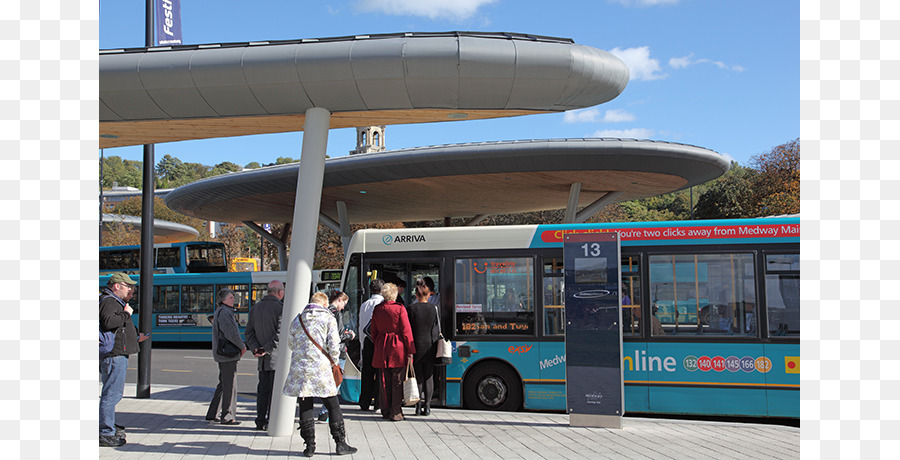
x=404 y=273
x=550 y=393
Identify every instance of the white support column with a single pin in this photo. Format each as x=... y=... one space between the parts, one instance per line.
x=345 y=224
x=596 y=206
x=475 y=220
x=572 y=207
x=303 y=247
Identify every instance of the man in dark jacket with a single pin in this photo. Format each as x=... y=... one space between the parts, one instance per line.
x=115 y=316
x=263 y=327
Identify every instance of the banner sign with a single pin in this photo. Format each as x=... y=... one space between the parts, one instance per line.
x=168 y=22
x=685 y=233
x=594 y=379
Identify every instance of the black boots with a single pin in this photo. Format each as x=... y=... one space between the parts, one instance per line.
x=418 y=407
x=308 y=433
x=426 y=409
x=340 y=438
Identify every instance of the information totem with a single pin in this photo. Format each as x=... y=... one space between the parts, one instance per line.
x=594 y=378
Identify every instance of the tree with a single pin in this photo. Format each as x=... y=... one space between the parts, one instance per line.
x=120 y=234
x=172 y=172
x=776 y=188
x=125 y=173
x=729 y=197
x=134 y=207
x=285 y=160
x=253 y=165
x=223 y=168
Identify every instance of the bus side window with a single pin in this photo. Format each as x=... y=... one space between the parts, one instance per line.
x=693 y=294
x=783 y=294
x=495 y=296
x=554 y=297
x=631 y=296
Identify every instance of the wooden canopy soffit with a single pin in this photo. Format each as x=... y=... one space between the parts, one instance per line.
x=125 y=133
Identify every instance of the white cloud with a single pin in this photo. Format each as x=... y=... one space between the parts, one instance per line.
x=432 y=9
x=686 y=61
x=617 y=116
x=634 y=133
x=581 y=116
x=593 y=115
x=681 y=63
x=639 y=63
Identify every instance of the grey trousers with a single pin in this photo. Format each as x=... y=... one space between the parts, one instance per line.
x=226 y=392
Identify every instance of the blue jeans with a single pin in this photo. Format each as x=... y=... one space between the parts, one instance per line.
x=112 y=375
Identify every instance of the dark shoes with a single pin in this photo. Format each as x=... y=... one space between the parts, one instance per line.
x=230 y=422
x=120 y=430
x=340 y=439
x=212 y=419
x=262 y=427
x=323 y=417
x=308 y=433
x=112 y=441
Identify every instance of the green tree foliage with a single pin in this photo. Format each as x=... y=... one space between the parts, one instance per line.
x=285 y=160
x=253 y=165
x=223 y=168
x=728 y=197
x=172 y=172
x=125 y=173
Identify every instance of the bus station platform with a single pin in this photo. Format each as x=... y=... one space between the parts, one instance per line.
x=171 y=424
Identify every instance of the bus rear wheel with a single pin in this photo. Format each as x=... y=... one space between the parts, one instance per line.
x=493 y=387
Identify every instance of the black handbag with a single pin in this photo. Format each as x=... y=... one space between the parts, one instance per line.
x=226 y=348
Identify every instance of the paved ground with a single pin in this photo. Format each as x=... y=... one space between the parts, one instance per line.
x=171 y=425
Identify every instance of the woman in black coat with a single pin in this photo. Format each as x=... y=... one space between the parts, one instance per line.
x=424 y=322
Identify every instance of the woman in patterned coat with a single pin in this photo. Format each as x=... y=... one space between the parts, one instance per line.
x=310 y=373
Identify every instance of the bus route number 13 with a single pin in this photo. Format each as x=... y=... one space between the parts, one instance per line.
x=591 y=249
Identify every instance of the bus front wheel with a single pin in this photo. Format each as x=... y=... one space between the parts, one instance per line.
x=493 y=387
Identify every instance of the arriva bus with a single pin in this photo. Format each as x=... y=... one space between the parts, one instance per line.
x=183 y=303
x=189 y=257
x=711 y=312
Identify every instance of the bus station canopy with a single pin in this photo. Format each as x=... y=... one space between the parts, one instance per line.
x=459 y=180
x=164 y=94
x=163 y=230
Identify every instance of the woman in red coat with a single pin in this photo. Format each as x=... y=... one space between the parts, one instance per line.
x=394 y=346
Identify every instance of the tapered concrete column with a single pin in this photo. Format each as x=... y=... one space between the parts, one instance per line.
x=572 y=206
x=345 y=225
x=303 y=248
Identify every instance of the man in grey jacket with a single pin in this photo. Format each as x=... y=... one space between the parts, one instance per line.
x=225 y=328
x=263 y=327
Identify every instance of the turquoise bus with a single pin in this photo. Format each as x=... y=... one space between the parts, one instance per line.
x=183 y=303
x=710 y=312
x=184 y=257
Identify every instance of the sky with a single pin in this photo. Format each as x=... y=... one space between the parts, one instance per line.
x=716 y=74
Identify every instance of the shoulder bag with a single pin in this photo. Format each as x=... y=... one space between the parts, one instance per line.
x=336 y=371
x=107 y=338
x=226 y=348
x=444 y=355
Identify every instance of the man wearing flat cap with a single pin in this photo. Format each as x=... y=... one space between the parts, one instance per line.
x=115 y=316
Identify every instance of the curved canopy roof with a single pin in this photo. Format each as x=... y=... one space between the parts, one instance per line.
x=458 y=180
x=163 y=230
x=155 y=95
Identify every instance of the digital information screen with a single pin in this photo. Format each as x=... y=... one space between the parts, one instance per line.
x=594 y=379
